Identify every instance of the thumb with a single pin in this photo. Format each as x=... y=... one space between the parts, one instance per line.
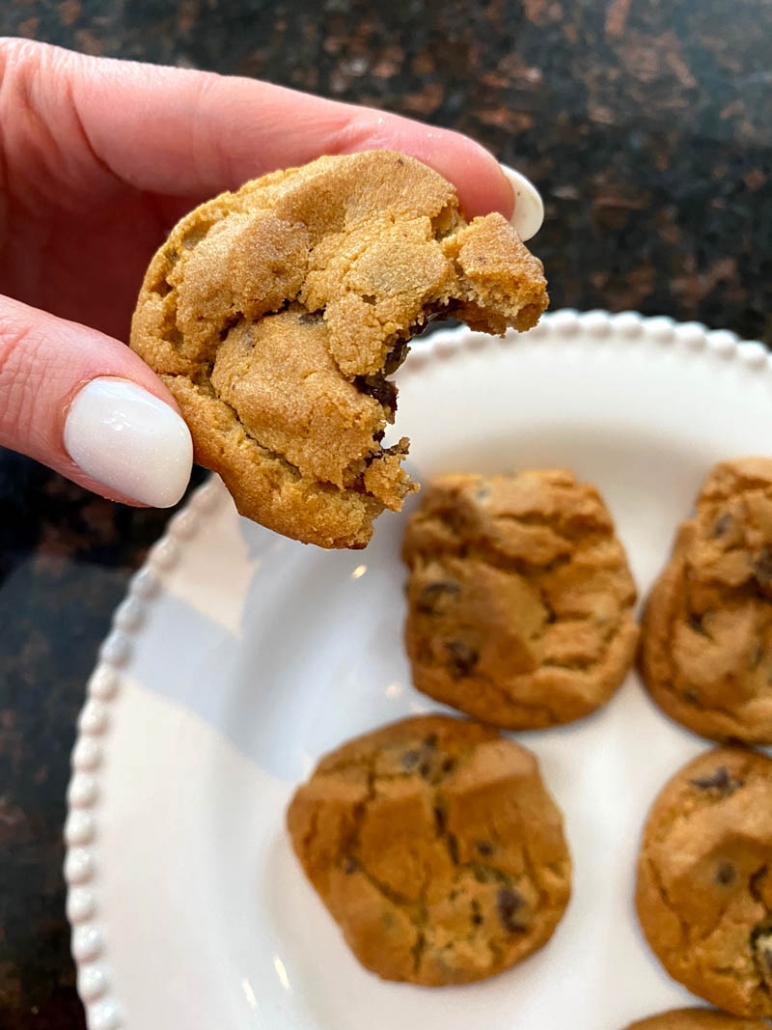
x=88 y=407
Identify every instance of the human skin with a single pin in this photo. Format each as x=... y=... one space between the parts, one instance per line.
x=98 y=160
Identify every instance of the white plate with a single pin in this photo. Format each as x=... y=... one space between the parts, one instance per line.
x=239 y=657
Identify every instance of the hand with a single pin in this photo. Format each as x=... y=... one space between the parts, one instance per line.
x=98 y=160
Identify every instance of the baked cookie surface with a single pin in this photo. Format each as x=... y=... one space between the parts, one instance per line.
x=275 y=314
x=696 y=1019
x=706 y=654
x=704 y=891
x=436 y=848
x=520 y=599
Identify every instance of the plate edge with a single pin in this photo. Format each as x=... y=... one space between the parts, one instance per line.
x=81 y=873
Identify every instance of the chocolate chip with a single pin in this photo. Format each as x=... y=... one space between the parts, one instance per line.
x=424 y=770
x=691 y=696
x=725 y=874
x=695 y=622
x=439 y=820
x=762 y=567
x=350 y=866
x=477 y=917
x=485 y=848
x=720 y=781
x=508 y=903
x=395 y=357
x=431 y=740
x=379 y=388
x=453 y=848
x=722 y=524
x=437 y=598
x=461 y=658
x=410 y=759
x=449 y=765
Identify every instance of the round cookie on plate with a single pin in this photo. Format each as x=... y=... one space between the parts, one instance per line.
x=520 y=598
x=696 y=1019
x=704 y=890
x=436 y=848
x=706 y=654
x=275 y=314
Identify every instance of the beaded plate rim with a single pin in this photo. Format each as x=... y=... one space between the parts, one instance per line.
x=81 y=872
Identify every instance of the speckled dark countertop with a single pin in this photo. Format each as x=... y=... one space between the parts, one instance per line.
x=647 y=126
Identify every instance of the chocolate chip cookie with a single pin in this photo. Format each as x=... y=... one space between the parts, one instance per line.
x=696 y=1019
x=520 y=599
x=704 y=893
x=275 y=315
x=706 y=654
x=436 y=847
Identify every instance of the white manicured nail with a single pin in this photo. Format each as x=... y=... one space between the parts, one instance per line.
x=529 y=207
x=130 y=441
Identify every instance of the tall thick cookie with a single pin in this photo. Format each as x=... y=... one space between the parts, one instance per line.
x=704 y=892
x=275 y=314
x=520 y=599
x=706 y=654
x=696 y=1019
x=437 y=849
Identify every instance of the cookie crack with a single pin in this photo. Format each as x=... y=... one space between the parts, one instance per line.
x=570 y=535
x=511 y=699
x=533 y=574
x=415 y=911
x=659 y=886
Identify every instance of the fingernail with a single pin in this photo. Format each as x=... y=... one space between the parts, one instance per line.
x=529 y=207
x=130 y=441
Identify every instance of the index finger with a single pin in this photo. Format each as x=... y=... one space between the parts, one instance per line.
x=190 y=133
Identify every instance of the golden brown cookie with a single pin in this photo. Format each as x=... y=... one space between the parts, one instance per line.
x=275 y=314
x=704 y=893
x=520 y=599
x=437 y=849
x=696 y=1019
x=706 y=654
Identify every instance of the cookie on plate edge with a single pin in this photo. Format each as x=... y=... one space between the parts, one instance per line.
x=704 y=890
x=706 y=650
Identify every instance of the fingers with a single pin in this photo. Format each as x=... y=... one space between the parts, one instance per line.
x=88 y=407
x=189 y=133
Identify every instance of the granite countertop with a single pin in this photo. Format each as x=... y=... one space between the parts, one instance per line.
x=647 y=126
